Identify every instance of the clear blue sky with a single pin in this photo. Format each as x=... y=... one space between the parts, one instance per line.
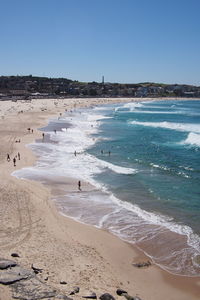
x=124 y=40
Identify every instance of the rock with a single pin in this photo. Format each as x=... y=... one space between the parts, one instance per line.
x=62 y=297
x=75 y=291
x=15 y=255
x=92 y=296
x=63 y=282
x=32 y=289
x=106 y=296
x=15 y=274
x=6 y=263
x=36 y=270
x=120 y=292
x=128 y=297
x=25 y=285
x=142 y=264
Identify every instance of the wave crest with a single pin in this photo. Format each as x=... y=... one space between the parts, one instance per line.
x=192 y=139
x=169 y=125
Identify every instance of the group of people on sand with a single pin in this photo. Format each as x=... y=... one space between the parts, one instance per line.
x=14 y=158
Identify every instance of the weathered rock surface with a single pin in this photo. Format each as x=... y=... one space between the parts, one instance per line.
x=75 y=290
x=142 y=264
x=120 y=292
x=6 y=263
x=106 y=296
x=128 y=297
x=24 y=283
x=91 y=296
x=9 y=276
x=63 y=282
x=62 y=297
x=32 y=289
x=36 y=270
x=15 y=255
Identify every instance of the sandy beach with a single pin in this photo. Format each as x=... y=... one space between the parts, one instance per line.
x=81 y=255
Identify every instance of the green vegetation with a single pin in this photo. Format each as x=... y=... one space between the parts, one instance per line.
x=30 y=86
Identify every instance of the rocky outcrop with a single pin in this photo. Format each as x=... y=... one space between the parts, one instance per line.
x=14 y=274
x=75 y=290
x=6 y=263
x=24 y=283
x=32 y=289
x=91 y=296
x=121 y=292
x=142 y=264
x=106 y=296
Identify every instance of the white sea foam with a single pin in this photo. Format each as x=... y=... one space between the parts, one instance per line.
x=135 y=225
x=156 y=219
x=144 y=106
x=102 y=108
x=156 y=112
x=192 y=139
x=160 y=167
x=187 y=168
x=143 y=111
x=131 y=106
x=97 y=117
x=115 y=168
x=170 y=125
x=180 y=173
x=124 y=219
x=137 y=230
x=59 y=159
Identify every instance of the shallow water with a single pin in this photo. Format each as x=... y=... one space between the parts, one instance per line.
x=143 y=159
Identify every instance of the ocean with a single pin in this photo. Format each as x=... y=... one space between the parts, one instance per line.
x=143 y=160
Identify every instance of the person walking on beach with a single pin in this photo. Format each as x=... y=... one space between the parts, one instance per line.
x=79 y=185
x=18 y=154
x=14 y=161
x=43 y=136
x=75 y=153
x=8 y=157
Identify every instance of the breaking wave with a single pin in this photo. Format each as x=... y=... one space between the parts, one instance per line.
x=169 y=125
x=192 y=139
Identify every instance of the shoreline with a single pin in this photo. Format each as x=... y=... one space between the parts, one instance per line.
x=81 y=239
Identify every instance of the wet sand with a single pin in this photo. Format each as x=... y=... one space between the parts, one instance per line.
x=82 y=255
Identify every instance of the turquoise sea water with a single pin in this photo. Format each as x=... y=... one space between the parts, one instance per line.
x=144 y=161
x=162 y=141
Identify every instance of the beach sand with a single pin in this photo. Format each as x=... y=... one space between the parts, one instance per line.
x=66 y=250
